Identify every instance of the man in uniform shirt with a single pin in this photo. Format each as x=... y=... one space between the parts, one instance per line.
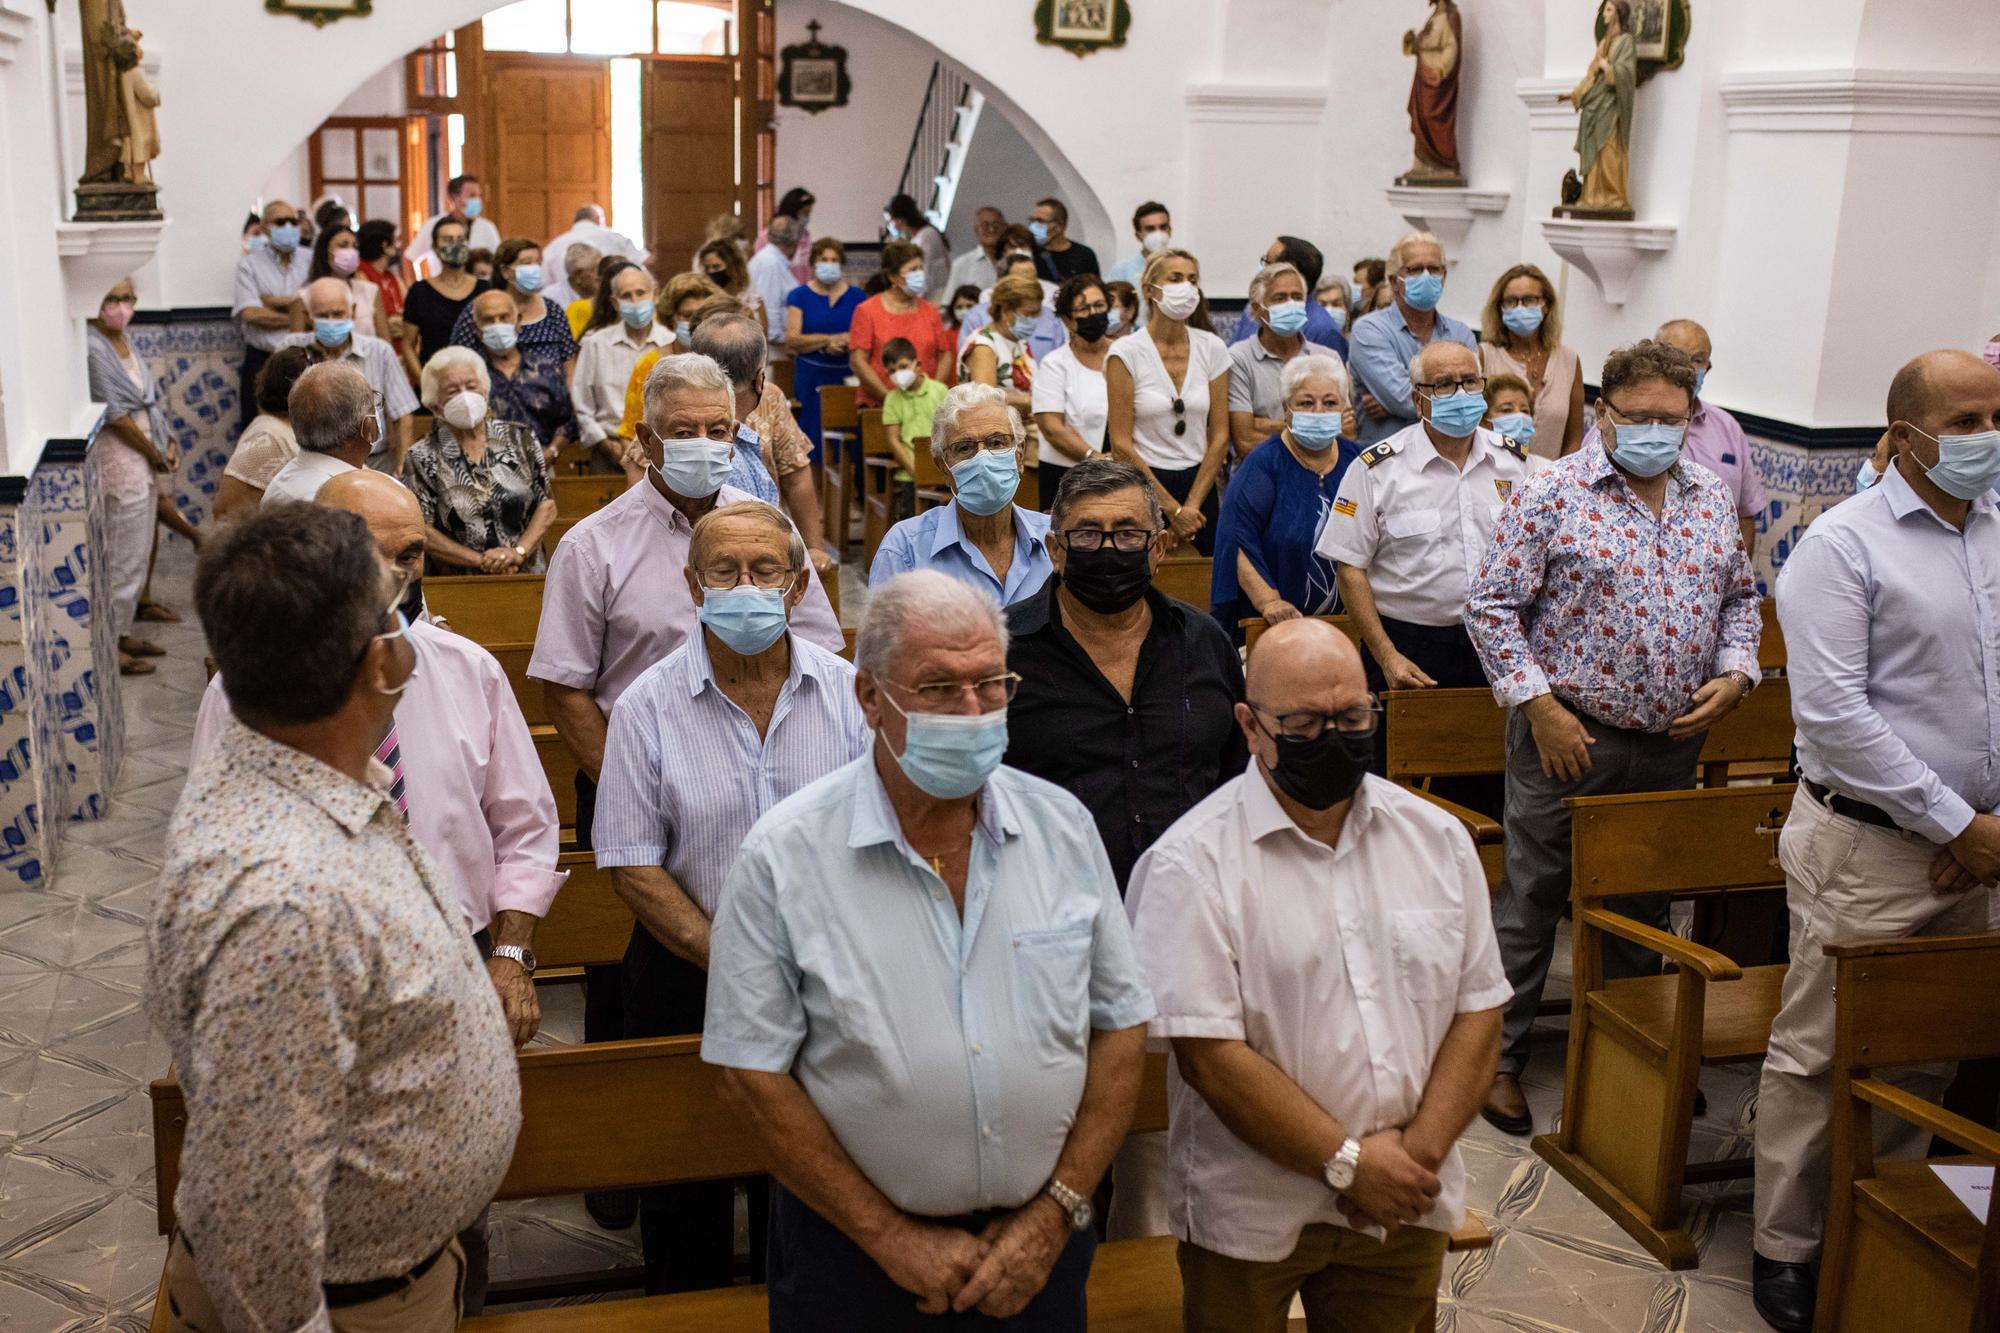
x=330 y=302
x=1383 y=343
x=352 y=1095
x=1323 y=953
x=268 y=281
x=1888 y=605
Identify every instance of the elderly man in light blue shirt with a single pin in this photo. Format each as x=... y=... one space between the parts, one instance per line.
x=925 y=996
x=982 y=537
x=1382 y=345
x=269 y=278
x=1891 y=610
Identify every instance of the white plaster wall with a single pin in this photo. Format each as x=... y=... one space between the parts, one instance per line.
x=1003 y=169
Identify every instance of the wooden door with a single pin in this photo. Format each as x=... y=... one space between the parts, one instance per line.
x=690 y=153
x=374 y=163
x=757 y=90
x=550 y=142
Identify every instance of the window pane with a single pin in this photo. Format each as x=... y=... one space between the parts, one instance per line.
x=450 y=73
x=382 y=154
x=384 y=202
x=612 y=28
x=454 y=138
x=527 y=25
x=336 y=154
x=692 y=30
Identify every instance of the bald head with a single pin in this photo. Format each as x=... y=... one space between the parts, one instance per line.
x=329 y=298
x=1949 y=392
x=393 y=516
x=1443 y=360
x=492 y=304
x=1305 y=666
x=1687 y=336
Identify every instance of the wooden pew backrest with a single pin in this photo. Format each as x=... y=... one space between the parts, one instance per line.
x=580 y=497
x=488 y=608
x=1771 y=644
x=1186 y=578
x=513 y=659
x=588 y=923
x=1892 y=994
x=1717 y=840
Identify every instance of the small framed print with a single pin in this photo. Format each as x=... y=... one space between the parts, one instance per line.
x=814 y=74
x=319 y=13
x=1082 y=26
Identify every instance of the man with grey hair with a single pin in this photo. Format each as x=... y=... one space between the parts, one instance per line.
x=982 y=537
x=771 y=272
x=579 y=278
x=1383 y=343
x=617 y=598
x=330 y=303
x=736 y=343
x=737 y=718
x=1278 y=304
x=337 y=422
x=924 y=998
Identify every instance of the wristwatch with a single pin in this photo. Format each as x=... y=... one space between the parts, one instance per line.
x=518 y=551
x=518 y=953
x=1079 y=1209
x=1340 y=1168
x=1743 y=681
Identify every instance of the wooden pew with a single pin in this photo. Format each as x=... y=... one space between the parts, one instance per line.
x=1901 y=1252
x=1771 y=645
x=488 y=608
x=1253 y=629
x=1637 y=1045
x=878 y=467
x=559 y=765
x=1186 y=578
x=840 y=440
x=588 y=923
x=513 y=659
x=637 y=1113
x=580 y=497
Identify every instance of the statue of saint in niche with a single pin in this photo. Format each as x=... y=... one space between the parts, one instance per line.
x=1604 y=103
x=1439 y=49
x=121 y=131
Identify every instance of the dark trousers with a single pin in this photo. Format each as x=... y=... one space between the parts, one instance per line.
x=603 y=1006
x=822 y=1282
x=1445 y=654
x=253 y=361
x=688 y=1232
x=1178 y=484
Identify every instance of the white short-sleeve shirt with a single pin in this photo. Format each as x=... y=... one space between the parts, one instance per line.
x=1065 y=385
x=1418 y=526
x=1153 y=395
x=1344 y=966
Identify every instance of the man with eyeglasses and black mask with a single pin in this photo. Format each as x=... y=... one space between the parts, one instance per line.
x=1322 y=1103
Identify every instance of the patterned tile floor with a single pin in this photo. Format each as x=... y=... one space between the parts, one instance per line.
x=78 y=1249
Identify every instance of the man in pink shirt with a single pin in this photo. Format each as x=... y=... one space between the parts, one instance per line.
x=1714 y=438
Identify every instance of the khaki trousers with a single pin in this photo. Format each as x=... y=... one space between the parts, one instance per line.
x=428 y=1305
x=1348 y=1282
x=1844 y=881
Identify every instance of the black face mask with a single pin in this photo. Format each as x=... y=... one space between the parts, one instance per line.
x=412 y=605
x=1321 y=773
x=1092 y=328
x=1107 y=580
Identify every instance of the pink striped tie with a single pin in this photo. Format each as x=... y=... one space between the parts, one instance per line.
x=390 y=752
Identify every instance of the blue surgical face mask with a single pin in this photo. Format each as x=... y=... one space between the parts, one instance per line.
x=1338 y=316
x=257 y=241
x=1521 y=319
x=683 y=332
x=1458 y=414
x=1040 y=231
x=1867 y=476
x=696 y=469
x=637 y=314
x=1287 y=317
x=950 y=755
x=285 y=235
x=915 y=282
x=1516 y=426
x=528 y=277
x=500 y=337
x=1646 y=451
x=985 y=483
x=1114 y=320
x=1968 y=465
x=1316 y=430
x=473 y=206
x=747 y=619
x=1024 y=327
x=827 y=271
x=1422 y=291
x=333 y=332
x=1700 y=378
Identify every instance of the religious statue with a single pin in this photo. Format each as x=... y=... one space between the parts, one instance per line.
x=122 y=134
x=1604 y=119
x=1438 y=47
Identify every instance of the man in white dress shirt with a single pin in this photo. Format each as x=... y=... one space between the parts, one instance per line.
x=587 y=228
x=330 y=303
x=771 y=273
x=1890 y=605
x=1323 y=957
x=334 y=419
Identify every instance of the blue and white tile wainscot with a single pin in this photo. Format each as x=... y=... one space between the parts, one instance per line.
x=26 y=844
x=197 y=358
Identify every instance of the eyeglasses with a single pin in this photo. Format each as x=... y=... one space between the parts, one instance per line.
x=1466 y=384
x=1646 y=418
x=960 y=450
x=1088 y=309
x=1093 y=539
x=992 y=692
x=1520 y=302
x=722 y=574
x=1360 y=720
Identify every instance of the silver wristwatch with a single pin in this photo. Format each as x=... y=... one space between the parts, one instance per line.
x=1340 y=1168
x=1079 y=1209
x=518 y=953
x=1743 y=681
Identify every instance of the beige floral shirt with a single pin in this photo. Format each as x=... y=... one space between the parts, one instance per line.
x=351 y=1088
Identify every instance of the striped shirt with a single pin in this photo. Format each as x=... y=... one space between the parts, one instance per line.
x=262 y=273
x=686 y=776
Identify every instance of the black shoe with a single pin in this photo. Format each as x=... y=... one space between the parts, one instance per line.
x=1520 y=1126
x=1700 y=1103
x=614 y=1210
x=1784 y=1293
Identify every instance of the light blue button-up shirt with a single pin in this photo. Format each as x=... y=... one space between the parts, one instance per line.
x=262 y=273
x=948 y=1056
x=686 y=775
x=1378 y=356
x=1892 y=645
x=934 y=540
x=746 y=469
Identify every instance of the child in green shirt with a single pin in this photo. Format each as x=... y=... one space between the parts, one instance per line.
x=912 y=402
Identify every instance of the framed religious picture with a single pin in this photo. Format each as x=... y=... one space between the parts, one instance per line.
x=320 y=12
x=814 y=75
x=1659 y=34
x=1082 y=26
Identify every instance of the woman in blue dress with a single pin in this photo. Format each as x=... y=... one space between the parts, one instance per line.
x=817 y=316
x=1278 y=502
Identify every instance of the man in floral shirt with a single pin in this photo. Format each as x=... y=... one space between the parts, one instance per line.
x=1616 y=617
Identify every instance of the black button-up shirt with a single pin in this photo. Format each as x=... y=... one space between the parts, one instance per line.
x=1141 y=765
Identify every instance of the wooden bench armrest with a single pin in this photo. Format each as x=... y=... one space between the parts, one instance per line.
x=1915 y=944
x=1706 y=963
x=1482 y=828
x=1972 y=1137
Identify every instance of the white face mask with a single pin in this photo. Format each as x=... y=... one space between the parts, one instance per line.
x=1156 y=240
x=1179 y=300
x=465 y=409
x=904 y=378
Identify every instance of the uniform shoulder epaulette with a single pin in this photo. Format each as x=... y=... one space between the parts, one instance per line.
x=1380 y=450
x=1513 y=446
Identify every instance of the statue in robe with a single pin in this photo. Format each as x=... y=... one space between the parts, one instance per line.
x=1438 y=47
x=1604 y=116
x=121 y=131
x=139 y=143
x=104 y=27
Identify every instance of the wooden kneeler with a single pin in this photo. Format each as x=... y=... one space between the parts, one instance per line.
x=1637 y=1045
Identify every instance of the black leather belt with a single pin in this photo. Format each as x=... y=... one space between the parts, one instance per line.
x=1848 y=806
x=342 y=1295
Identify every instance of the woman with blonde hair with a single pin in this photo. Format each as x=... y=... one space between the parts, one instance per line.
x=998 y=354
x=1521 y=334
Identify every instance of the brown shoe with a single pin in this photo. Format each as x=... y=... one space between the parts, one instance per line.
x=158 y=614
x=132 y=666
x=136 y=647
x=1506 y=1107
